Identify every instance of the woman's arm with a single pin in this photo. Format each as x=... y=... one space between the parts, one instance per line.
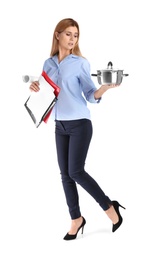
x=99 y=92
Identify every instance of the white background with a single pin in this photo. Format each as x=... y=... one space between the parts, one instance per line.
x=33 y=213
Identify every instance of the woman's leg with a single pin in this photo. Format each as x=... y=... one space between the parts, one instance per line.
x=72 y=144
x=69 y=185
x=80 y=137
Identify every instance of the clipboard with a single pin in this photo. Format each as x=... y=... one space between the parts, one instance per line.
x=39 y=104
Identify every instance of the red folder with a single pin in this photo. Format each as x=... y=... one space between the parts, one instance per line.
x=56 y=92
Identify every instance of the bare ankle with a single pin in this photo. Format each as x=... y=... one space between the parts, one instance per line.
x=111 y=213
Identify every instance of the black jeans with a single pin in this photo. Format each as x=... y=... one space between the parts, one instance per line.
x=72 y=143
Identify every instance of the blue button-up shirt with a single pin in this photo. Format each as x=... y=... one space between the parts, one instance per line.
x=73 y=77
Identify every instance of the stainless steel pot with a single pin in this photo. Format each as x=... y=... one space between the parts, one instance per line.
x=109 y=76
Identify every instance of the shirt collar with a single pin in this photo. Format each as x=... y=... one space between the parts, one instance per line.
x=70 y=56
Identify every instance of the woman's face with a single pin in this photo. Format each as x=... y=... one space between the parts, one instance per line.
x=68 y=38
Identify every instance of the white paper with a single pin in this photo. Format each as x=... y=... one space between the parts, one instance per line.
x=40 y=101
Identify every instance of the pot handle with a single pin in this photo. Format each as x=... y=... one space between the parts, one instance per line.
x=94 y=75
x=125 y=75
x=110 y=64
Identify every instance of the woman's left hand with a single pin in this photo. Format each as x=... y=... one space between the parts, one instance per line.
x=111 y=86
x=99 y=92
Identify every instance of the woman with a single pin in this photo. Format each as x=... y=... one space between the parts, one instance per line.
x=73 y=130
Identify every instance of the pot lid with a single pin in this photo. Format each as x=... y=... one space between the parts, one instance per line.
x=110 y=68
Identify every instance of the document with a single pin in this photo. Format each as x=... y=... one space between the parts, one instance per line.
x=40 y=103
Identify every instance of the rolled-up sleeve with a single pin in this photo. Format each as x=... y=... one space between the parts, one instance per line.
x=87 y=85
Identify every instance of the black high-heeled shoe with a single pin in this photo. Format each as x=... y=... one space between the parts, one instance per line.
x=116 y=206
x=71 y=237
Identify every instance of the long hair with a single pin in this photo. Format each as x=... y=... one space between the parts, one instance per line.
x=60 y=27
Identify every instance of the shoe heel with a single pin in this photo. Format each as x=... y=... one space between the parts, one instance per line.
x=82 y=230
x=122 y=206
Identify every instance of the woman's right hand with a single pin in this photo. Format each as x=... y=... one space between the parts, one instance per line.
x=34 y=86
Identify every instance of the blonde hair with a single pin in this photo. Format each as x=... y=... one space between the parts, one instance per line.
x=60 y=27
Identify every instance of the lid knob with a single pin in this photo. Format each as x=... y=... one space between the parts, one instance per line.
x=110 y=65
